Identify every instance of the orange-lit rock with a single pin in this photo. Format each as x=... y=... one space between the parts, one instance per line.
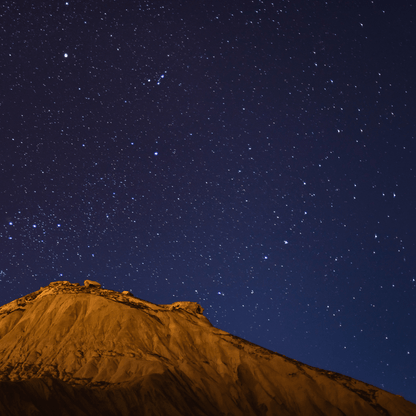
x=83 y=350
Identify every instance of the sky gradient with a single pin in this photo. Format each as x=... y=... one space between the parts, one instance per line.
x=256 y=157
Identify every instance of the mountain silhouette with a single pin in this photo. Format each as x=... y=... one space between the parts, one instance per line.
x=75 y=350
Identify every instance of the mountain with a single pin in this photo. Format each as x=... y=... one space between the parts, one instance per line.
x=83 y=350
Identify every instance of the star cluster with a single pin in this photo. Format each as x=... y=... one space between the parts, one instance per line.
x=256 y=157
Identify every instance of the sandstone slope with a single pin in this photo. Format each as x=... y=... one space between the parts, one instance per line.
x=83 y=350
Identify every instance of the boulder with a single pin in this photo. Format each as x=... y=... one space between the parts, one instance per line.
x=127 y=293
x=92 y=283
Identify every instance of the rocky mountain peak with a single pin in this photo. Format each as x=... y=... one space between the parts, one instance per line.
x=84 y=350
x=94 y=288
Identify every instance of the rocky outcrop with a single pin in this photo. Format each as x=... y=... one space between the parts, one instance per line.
x=89 y=283
x=94 y=288
x=187 y=306
x=84 y=350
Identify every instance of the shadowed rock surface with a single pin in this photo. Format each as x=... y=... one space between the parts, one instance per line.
x=83 y=350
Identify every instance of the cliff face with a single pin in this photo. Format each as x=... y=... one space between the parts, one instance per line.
x=82 y=350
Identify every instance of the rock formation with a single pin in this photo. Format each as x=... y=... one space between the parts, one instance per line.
x=92 y=283
x=83 y=350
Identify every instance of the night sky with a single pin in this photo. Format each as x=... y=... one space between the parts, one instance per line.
x=256 y=157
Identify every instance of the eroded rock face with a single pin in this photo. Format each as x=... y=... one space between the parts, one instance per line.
x=84 y=350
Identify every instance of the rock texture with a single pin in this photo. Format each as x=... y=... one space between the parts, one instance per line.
x=83 y=350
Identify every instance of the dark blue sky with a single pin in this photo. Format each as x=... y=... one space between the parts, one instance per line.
x=254 y=156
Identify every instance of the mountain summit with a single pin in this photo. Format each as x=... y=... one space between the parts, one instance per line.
x=83 y=350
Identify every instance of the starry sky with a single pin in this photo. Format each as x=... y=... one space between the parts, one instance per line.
x=256 y=157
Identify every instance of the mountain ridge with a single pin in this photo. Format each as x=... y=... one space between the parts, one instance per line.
x=123 y=353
